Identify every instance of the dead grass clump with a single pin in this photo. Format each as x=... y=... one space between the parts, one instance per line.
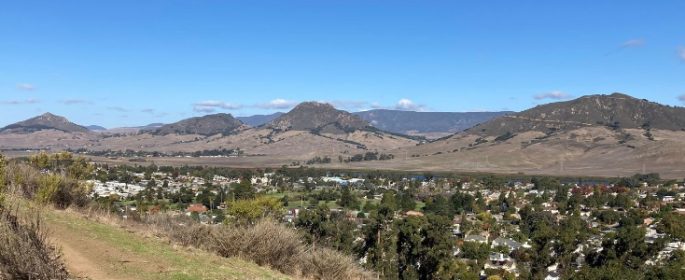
x=24 y=252
x=184 y=231
x=328 y=264
x=266 y=243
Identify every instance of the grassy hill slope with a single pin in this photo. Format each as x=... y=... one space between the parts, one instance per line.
x=101 y=251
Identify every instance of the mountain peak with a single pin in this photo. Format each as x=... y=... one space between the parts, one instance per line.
x=616 y=110
x=317 y=116
x=621 y=95
x=52 y=117
x=44 y=122
x=220 y=123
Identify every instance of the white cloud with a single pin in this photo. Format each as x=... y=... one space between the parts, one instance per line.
x=210 y=106
x=407 y=105
x=20 y=102
x=556 y=95
x=278 y=103
x=26 y=87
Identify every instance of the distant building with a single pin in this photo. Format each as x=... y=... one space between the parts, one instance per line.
x=197 y=208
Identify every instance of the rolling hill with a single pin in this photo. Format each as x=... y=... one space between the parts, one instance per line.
x=45 y=121
x=207 y=125
x=603 y=135
x=616 y=111
x=314 y=116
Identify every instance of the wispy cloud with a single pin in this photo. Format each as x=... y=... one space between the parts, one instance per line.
x=682 y=98
x=556 y=95
x=210 y=106
x=681 y=53
x=20 y=102
x=26 y=87
x=148 y=111
x=408 y=105
x=632 y=43
x=278 y=103
x=75 y=101
x=117 y=109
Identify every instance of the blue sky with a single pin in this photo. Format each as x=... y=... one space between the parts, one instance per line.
x=120 y=63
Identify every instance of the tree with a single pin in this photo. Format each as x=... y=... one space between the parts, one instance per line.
x=330 y=229
x=406 y=201
x=380 y=239
x=242 y=190
x=347 y=199
x=673 y=225
x=437 y=240
x=462 y=202
x=438 y=205
x=248 y=211
x=409 y=247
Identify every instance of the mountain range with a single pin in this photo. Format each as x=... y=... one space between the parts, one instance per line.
x=431 y=125
x=603 y=135
x=426 y=123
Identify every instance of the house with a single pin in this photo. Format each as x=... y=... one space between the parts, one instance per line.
x=501 y=261
x=196 y=208
x=506 y=242
x=553 y=272
x=413 y=214
x=456 y=230
x=476 y=238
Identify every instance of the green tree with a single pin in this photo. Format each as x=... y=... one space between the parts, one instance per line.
x=242 y=190
x=406 y=201
x=348 y=199
x=409 y=247
x=438 y=205
x=437 y=241
x=673 y=225
x=248 y=211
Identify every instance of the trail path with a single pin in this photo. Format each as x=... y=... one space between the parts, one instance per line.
x=93 y=250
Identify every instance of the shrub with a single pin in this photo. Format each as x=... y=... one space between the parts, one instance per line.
x=21 y=180
x=62 y=192
x=24 y=252
x=48 y=186
x=325 y=264
x=267 y=243
x=247 y=211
